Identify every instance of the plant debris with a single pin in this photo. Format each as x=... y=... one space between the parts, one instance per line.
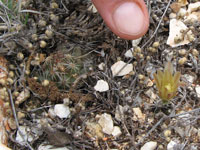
x=67 y=82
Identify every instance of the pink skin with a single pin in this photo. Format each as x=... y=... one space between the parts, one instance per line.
x=128 y=19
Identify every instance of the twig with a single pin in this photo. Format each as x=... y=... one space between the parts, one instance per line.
x=16 y=119
x=32 y=11
x=152 y=129
x=184 y=113
x=19 y=8
x=158 y=24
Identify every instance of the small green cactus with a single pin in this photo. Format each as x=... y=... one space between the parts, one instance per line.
x=167 y=82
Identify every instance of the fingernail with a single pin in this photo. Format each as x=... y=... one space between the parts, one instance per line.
x=129 y=18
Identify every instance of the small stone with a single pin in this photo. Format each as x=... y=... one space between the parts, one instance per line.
x=106 y=123
x=116 y=131
x=176 y=38
x=181 y=12
x=175 y=7
x=149 y=146
x=101 y=86
x=136 y=42
x=51 y=147
x=25 y=131
x=138 y=115
x=62 y=111
x=197 y=89
x=172 y=15
x=93 y=9
x=127 y=68
x=4 y=147
x=129 y=53
x=148 y=82
x=189 y=78
x=119 y=113
x=101 y=66
x=193 y=7
x=94 y=130
x=51 y=113
x=183 y=2
x=151 y=94
x=192 y=18
x=171 y=145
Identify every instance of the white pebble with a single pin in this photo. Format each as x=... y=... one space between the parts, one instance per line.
x=149 y=146
x=138 y=115
x=193 y=7
x=175 y=31
x=50 y=147
x=62 y=111
x=25 y=132
x=171 y=145
x=197 y=89
x=129 y=53
x=106 y=123
x=116 y=131
x=127 y=68
x=101 y=86
x=189 y=78
x=101 y=66
x=136 y=42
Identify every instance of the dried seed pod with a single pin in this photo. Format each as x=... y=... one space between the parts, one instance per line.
x=20 y=56
x=182 y=61
x=43 y=44
x=182 y=52
x=54 y=5
x=137 y=50
x=34 y=37
x=148 y=57
x=54 y=18
x=195 y=52
x=45 y=83
x=141 y=77
x=3 y=68
x=30 y=46
x=27 y=72
x=42 y=23
x=156 y=44
x=15 y=93
x=3 y=81
x=10 y=81
x=141 y=56
x=49 y=33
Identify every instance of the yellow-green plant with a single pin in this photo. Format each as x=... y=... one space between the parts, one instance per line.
x=167 y=82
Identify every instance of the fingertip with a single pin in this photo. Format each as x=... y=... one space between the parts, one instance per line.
x=128 y=19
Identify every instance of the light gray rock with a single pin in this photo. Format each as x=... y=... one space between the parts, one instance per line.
x=149 y=146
